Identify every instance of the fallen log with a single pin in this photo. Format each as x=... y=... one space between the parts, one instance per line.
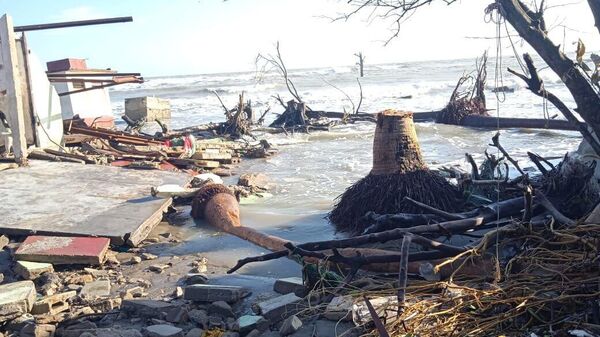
x=216 y=204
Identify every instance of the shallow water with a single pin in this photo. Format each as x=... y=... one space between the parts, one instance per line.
x=310 y=171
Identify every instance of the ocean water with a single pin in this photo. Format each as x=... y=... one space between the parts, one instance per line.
x=311 y=170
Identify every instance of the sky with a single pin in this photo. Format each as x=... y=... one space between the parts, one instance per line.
x=183 y=37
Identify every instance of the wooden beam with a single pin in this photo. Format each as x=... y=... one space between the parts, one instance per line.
x=11 y=82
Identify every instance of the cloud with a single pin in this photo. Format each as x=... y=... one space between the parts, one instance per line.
x=79 y=13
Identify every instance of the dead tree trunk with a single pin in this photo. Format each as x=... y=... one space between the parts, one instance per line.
x=294 y=115
x=398 y=172
x=531 y=27
x=360 y=63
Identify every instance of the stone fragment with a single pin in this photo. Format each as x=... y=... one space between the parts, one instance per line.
x=63 y=250
x=215 y=322
x=386 y=306
x=148 y=256
x=134 y=292
x=340 y=308
x=290 y=325
x=177 y=315
x=162 y=330
x=82 y=326
x=248 y=323
x=53 y=304
x=257 y=181
x=80 y=279
x=290 y=285
x=28 y=270
x=38 y=330
x=178 y=292
x=212 y=293
x=325 y=328
x=220 y=308
x=158 y=268
x=200 y=317
x=278 y=308
x=230 y=334
x=135 y=260
x=4 y=241
x=16 y=299
x=254 y=333
x=198 y=278
x=92 y=290
x=18 y=323
x=146 y=308
x=195 y=332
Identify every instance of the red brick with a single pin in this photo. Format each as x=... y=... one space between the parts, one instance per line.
x=63 y=250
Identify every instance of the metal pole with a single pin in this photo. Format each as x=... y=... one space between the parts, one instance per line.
x=72 y=24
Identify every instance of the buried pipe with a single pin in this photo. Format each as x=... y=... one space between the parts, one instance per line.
x=218 y=207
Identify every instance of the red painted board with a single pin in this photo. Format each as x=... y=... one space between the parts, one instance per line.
x=63 y=249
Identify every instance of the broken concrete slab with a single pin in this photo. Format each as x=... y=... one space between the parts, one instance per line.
x=339 y=309
x=248 y=323
x=117 y=208
x=29 y=270
x=385 y=306
x=290 y=325
x=53 y=304
x=38 y=330
x=63 y=250
x=213 y=293
x=280 y=307
x=16 y=299
x=162 y=330
x=290 y=285
x=96 y=289
x=147 y=308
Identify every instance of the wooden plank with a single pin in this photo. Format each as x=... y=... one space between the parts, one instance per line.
x=11 y=82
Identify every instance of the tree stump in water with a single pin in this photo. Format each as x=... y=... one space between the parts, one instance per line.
x=398 y=171
x=294 y=115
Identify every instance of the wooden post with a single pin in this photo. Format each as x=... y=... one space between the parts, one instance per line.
x=11 y=82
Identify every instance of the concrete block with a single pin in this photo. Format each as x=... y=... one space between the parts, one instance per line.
x=386 y=306
x=290 y=325
x=177 y=315
x=16 y=299
x=146 y=308
x=162 y=330
x=37 y=330
x=340 y=308
x=63 y=250
x=92 y=290
x=247 y=323
x=195 y=332
x=53 y=304
x=31 y=270
x=278 y=308
x=147 y=108
x=200 y=317
x=290 y=285
x=213 y=293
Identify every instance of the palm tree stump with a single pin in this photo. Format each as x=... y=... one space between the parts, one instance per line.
x=398 y=171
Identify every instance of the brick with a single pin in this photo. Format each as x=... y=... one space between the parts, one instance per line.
x=213 y=293
x=290 y=325
x=63 y=250
x=340 y=308
x=16 y=299
x=28 y=270
x=53 y=304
